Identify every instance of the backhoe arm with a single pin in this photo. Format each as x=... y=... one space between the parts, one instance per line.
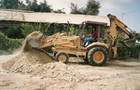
x=112 y=31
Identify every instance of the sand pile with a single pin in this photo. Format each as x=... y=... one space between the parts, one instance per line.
x=54 y=71
x=37 y=63
x=24 y=59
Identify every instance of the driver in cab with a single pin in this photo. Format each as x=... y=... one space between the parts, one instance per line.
x=92 y=38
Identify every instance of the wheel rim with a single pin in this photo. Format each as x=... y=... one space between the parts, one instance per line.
x=62 y=58
x=98 y=56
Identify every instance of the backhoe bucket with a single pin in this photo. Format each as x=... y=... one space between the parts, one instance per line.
x=129 y=42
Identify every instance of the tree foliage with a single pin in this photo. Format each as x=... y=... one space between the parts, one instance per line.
x=11 y=4
x=8 y=44
x=138 y=37
x=44 y=7
x=15 y=32
x=31 y=5
x=75 y=9
x=92 y=8
x=34 y=6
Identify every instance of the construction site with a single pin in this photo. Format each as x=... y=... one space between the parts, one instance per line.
x=72 y=65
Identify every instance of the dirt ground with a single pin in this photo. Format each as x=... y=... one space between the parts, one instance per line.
x=76 y=75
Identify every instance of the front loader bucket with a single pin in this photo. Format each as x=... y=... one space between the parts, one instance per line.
x=34 y=39
x=129 y=42
x=34 y=43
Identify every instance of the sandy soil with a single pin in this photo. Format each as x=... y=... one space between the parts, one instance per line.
x=115 y=75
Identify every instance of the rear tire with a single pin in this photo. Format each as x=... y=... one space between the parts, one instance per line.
x=62 y=57
x=97 y=56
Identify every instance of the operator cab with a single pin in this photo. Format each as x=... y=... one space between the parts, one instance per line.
x=87 y=28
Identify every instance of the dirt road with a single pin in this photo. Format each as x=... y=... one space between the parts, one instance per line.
x=115 y=75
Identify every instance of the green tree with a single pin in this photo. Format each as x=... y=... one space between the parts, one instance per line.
x=75 y=9
x=11 y=4
x=34 y=6
x=92 y=8
x=14 y=32
x=8 y=44
x=27 y=29
x=44 y=7
x=138 y=37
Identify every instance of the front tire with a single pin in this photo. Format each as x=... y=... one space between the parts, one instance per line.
x=97 y=56
x=54 y=54
x=62 y=57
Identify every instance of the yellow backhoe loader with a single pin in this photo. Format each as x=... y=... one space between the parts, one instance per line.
x=95 y=53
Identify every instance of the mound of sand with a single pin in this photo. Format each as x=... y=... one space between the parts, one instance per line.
x=38 y=63
x=31 y=57
x=35 y=63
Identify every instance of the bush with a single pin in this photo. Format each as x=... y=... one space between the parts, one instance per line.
x=8 y=44
x=133 y=51
x=14 y=32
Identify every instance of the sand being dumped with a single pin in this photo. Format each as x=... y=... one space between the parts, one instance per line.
x=28 y=55
x=38 y=63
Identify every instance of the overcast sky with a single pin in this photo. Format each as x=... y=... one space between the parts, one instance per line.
x=129 y=8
